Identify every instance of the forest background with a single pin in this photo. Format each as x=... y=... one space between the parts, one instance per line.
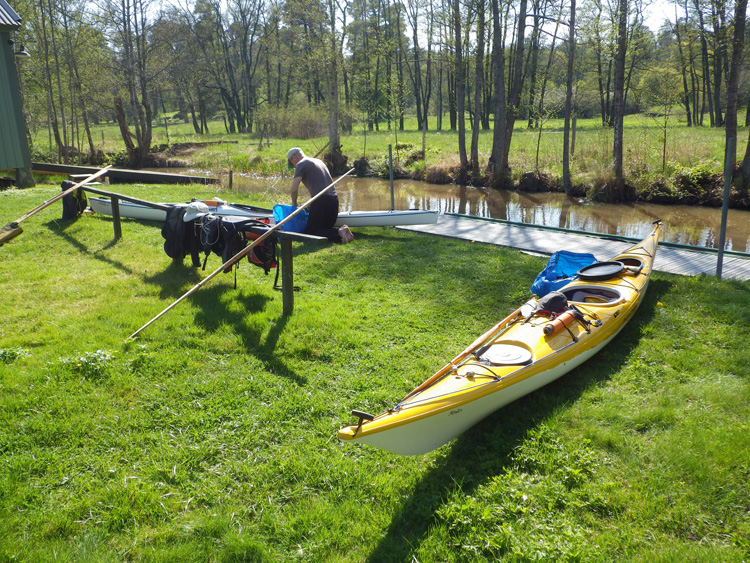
x=302 y=69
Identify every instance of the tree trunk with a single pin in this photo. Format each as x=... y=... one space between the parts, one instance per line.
x=194 y=118
x=534 y=61
x=412 y=13
x=733 y=86
x=683 y=70
x=516 y=87
x=598 y=49
x=127 y=135
x=478 y=88
x=707 y=93
x=567 y=184
x=619 y=97
x=498 y=71
x=336 y=159
x=720 y=47
x=460 y=87
x=540 y=107
x=439 y=109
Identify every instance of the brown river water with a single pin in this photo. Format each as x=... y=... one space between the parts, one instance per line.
x=694 y=226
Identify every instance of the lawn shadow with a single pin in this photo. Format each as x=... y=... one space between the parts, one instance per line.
x=172 y=279
x=220 y=306
x=486 y=450
x=58 y=227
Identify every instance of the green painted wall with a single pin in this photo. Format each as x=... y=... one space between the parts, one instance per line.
x=14 y=149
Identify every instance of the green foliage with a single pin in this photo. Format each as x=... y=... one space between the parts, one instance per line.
x=695 y=176
x=695 y=185
x=291 y=122
x=10 y=355
x=92 y=365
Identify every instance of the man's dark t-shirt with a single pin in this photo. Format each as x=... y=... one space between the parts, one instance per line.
x=323 y=211
x=315 y=176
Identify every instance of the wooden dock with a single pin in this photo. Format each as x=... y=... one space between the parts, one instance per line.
x=530 y=239
x=120 y=175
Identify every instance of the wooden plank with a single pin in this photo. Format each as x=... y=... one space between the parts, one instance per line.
x=9 y=232
x=111 y=195
x=122 y=176
x=12 y=230
x=285 y=235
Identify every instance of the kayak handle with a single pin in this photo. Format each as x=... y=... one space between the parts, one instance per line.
x=362 y=416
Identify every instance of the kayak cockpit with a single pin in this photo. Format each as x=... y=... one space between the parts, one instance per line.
x=592 y=295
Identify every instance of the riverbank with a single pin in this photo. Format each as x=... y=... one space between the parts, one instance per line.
x=698 y=186
x=690 y=172
x=212 y=436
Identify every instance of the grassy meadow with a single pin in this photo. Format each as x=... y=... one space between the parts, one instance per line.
x=591 y=162
x=212 y=436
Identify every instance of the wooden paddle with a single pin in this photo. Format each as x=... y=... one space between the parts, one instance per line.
x=463 y=355
x=12 y=230
x=237 y=257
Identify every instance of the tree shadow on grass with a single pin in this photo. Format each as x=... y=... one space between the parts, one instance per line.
x=486 y=450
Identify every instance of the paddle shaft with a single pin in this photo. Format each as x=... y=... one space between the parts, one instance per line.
x=237 y=257
x=317 y=154
x=63 y=194
x=468 y=350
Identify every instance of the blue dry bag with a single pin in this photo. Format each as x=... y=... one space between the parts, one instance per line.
x=297 y=224
x=560 y=270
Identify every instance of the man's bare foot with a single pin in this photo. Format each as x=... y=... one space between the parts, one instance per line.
x=345 y=234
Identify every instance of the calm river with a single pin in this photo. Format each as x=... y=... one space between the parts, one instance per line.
x=697 y=226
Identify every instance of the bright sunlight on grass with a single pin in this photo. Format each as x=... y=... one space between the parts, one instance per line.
x=212 y=437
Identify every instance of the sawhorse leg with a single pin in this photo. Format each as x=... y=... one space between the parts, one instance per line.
x=287 y=277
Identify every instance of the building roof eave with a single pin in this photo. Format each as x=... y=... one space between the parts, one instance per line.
x=9 y=18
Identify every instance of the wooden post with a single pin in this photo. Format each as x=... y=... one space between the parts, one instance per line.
x=116 y=218
x=287 y=277
x=390 y=167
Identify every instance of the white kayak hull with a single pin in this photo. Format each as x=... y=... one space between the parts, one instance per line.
x=431 y=432
x=145 y=213
x=387 y=218
x=352 y=218
x=127 y=209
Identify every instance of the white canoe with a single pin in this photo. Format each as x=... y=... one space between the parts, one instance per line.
x=218 y=207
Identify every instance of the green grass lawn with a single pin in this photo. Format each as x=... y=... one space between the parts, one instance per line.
x=212 y=436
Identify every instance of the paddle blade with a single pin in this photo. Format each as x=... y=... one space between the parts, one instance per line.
x=9 y=232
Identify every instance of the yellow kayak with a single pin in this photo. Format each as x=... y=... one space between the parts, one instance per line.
x=539 y=342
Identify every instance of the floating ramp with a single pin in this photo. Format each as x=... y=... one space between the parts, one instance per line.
x=531 y=238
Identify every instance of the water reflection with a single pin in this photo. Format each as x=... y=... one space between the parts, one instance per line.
x=696 y=226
